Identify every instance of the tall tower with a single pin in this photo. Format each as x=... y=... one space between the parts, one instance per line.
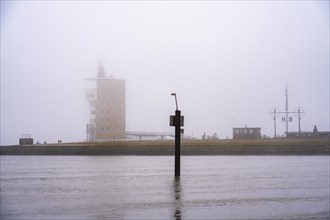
x=107 y=108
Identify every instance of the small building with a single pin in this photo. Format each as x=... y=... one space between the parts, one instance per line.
x=247 y=133
x=25 y=139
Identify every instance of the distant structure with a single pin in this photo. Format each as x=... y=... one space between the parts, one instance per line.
x=214 y=136
x=309 y=134
x=247 y=133
x=25 y=139
x=298 y=112
x=144 y=134
x=107 y=108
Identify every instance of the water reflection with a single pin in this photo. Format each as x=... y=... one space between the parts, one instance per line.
x=177 y=193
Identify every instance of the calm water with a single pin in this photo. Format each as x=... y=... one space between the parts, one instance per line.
x=137 y=187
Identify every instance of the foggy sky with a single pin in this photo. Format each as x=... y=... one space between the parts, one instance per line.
x=228 y=62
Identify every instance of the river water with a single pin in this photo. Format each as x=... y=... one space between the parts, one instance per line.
x=144 y=187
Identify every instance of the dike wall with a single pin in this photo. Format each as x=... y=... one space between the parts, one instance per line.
x=166 y=147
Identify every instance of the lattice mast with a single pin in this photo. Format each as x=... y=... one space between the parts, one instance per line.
x=286 y=110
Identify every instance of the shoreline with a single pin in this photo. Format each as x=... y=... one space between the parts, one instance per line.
x=188 y=147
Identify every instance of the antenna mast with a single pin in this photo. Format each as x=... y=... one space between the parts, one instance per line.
x=298 y=112
x=286 y=110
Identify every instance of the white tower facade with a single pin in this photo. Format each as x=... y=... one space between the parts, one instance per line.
x=107 y=108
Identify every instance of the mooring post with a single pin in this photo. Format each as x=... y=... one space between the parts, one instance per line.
x=177 y=121
x=177 y=142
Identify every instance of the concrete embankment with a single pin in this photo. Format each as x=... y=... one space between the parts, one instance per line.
x=166 y=147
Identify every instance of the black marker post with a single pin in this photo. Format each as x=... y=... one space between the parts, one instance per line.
x=177 y=121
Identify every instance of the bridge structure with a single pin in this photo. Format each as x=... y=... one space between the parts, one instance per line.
x=141 y=134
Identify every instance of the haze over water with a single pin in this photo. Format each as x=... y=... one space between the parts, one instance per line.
x=139 y=187
x=228 y=61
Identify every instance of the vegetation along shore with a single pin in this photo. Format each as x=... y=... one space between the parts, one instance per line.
x=188 y=147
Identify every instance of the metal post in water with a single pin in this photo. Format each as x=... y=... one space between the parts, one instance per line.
x=177 y=142
x=177 y=121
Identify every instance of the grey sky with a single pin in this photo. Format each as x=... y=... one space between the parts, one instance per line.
x=228 y=62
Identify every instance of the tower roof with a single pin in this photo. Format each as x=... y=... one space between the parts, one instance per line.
x=100 y=71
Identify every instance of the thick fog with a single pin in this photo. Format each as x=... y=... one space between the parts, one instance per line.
x=228 y=62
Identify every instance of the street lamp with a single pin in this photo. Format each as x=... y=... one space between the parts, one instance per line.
x=176 y=101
